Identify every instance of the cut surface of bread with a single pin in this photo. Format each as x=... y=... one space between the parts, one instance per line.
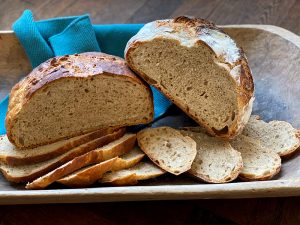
x=168 y=148
x=197 y=66
x=71 y=95
x=111 y=150
x=278 y=136
x=216 y=161
x=142 y=171
x=91 y=174
x=13 y=156
x=26 y=173
x=259 y=163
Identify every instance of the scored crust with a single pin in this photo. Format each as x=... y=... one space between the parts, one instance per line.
x=191 y=32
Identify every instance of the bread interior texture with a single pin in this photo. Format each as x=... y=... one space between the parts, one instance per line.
x=71 y=106
x=193 y=76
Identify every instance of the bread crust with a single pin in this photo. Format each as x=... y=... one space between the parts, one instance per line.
x=81 y=150
x=232 y=57
x=42 y=156
x=94 y=156
x=78 y=66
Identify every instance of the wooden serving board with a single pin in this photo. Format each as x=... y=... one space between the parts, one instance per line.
x=274 y=56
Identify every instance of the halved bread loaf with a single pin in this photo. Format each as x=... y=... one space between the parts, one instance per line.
x=13 y=156
x=142 y=171
x=25 y=173
x=197 y=66
x=259 y=163
x=168 y=148
x=216 y=161
x=75 y=94
x=278 y=136
x=90 y=174
x=111 y=150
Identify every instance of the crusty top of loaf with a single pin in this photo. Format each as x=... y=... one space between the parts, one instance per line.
x=73 y=66
x=192 y=32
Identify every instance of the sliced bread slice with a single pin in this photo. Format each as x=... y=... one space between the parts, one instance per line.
x=91 y=174
x=13 y=156
x=278 y=136
x=70 y=95
x=216 y=161
x=111 y=150
x=27 y=173
x=197 y=66
x=87 y=176
x=131 y=176
x=168 y=148
x=259 y=163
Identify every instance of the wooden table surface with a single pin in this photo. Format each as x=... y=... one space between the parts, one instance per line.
x=243 y=211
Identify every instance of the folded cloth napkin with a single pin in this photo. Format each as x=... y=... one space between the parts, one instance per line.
x=69 y=35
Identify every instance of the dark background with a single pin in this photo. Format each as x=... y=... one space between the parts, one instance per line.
x=244 y=211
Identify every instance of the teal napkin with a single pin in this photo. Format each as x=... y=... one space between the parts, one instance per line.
x=69 y=35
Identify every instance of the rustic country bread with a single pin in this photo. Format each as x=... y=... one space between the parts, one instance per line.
x=168 y=148
x=75 y=94
x=197 y=66
x=27 y=173
x=259 y=163
x=216 y=161
x=13 y=156
x=278 y=136
x=142 y=171
x=111 y=150
x=90 y=174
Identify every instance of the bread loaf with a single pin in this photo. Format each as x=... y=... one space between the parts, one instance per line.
x=75 y=94
x=197 y=66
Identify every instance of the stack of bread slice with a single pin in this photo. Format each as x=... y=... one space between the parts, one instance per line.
x=78 y=162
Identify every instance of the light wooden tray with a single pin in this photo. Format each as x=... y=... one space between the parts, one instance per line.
x=274 y=56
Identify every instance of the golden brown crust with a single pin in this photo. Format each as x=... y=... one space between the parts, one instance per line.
x=94 y=144
x=204 y=32
x=78 y=66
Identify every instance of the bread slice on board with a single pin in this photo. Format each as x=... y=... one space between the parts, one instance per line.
x=278 y=136
x=168 y=148
x=70 y=95
x=90 y=174
x=26 y=173
x=199 y=67
x=131 y=176
x=111 y=150
x=259 y=163
x=216 y=161
x=87 y=176
x=13 y=156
